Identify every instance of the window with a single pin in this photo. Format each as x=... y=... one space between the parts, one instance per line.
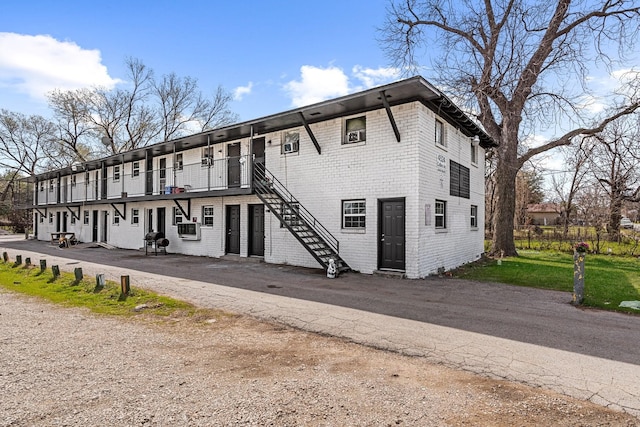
x=291 y=142
x=474 y=154
x=41 y=185
x=41 y=218
x=50 y=217
x=116 y=173
x=73 y=219
x=135 y=169
x=51 y=185
x=87 y=178
x=354 y=214
x=162 y=165
x=474 y=216
x=290 y=214
x=355 y=130
x=177 y=216
x=73 y=180
x=207 y=156
x=116 y=217
x=459 y=180
x=85 y=219
x=439 y=137
x=441 y=214
x=179 y=163
x=207 y=216
x=135 y=216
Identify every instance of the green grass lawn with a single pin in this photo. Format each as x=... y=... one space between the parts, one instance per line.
x=66 y=290
x=609 y=280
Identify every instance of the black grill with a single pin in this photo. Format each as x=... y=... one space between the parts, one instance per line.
x=155 y=240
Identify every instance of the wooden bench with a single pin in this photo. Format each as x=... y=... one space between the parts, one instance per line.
x=66 y=237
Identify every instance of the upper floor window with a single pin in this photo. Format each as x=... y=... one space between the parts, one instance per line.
x=87 y=178
x=116 y=174
x=291 y=142
x=355 y=130
x=41 y=185
x=135 y=169
x=179 y=162
x=439 y=136
x=73 y=180
x=459 y=184
x=52 y=184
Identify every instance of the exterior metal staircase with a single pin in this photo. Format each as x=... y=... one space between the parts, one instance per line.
x=313 y=236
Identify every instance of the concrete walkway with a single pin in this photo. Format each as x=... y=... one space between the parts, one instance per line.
x=605 y=381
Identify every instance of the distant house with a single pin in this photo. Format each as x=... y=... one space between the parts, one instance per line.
x=544 y=213
x=391 y=178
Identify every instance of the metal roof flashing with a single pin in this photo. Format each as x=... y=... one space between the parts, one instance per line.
x=412 y=89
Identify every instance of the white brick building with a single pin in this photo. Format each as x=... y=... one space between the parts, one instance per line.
x=391 y=178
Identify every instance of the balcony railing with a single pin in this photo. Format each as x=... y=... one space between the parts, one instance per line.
x=220 y=174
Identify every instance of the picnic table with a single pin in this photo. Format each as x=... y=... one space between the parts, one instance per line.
x=63 y=238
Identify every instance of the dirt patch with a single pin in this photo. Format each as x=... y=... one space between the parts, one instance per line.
x=67 y=367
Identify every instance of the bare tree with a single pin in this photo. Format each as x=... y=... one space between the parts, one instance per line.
x=567 y=185
x=521 y=65
x=614 y=164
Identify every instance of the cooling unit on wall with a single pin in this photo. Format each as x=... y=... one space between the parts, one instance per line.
x=189 y=230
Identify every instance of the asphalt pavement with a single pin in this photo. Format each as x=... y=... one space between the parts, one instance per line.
x=520 y=334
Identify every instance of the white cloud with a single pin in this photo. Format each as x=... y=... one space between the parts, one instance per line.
x=241 y=91
x=371 y=77
x=36 y=65
x=317 y=84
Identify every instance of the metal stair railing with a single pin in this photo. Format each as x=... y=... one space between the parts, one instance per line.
x=266 y=183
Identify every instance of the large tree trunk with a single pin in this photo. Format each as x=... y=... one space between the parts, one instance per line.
x=502 y=243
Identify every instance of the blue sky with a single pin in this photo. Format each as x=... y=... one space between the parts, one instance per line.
x=273 y=55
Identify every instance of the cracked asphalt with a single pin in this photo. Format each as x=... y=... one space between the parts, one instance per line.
x=519 y=334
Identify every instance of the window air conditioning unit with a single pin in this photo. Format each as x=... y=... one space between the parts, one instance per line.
x=189 y=230
x=355 y=136
x=290 y=147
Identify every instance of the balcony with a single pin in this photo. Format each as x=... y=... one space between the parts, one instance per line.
x=207 y=178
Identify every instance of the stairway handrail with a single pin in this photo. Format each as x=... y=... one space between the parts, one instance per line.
x=263 y=176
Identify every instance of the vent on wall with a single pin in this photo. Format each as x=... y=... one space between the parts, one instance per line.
x=189 y=230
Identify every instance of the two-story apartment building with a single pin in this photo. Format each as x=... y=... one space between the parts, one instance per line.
x=391 y=178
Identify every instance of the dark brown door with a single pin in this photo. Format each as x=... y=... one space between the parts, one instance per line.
x=256 y=230
x=94 y=225
x=391 y=234
x=233 y=229
x=257 y=148
x=161 y=220
x=233 y=165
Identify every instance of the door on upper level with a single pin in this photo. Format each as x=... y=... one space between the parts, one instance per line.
x=391 y=236
x=233 y=165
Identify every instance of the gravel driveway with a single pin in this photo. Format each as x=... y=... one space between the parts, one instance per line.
x=67 y=367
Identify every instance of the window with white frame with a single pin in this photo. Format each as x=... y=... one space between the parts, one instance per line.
x=439 y=135
x=73 y=180
x=441 y=214
x=116 y=217
x=73 y=219
x=41 y=218
x=291 y=142
x=87 y=178
x=135 y=216
x=177 y=216
x=474 y=216
x=41 y=185
x=116 y=173
x=135 y=169
x=50 y=217
x=85 y=218
x=52 y=184
x=354 y=214
x=207 y=216
x=179 y=162
x=207 y=156
x=355 y=130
